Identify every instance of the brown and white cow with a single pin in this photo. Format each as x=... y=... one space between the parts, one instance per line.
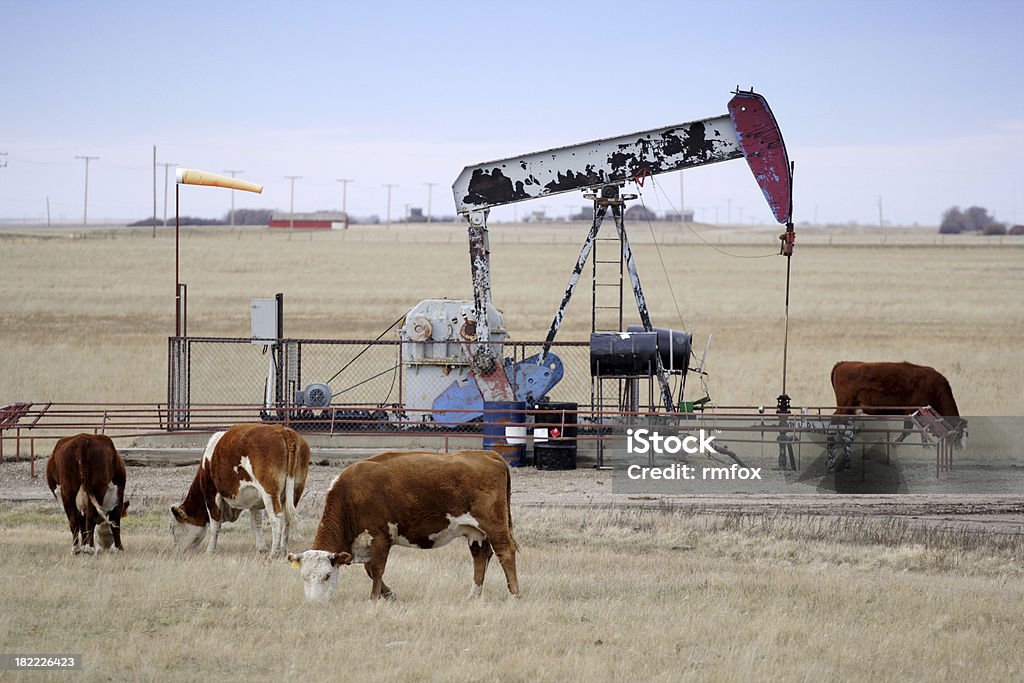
x=417 y=500
x=248 y=467
x=91 y=476
x=895 y=389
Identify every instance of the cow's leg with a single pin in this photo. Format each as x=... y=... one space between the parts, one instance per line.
x=256 y=522
x=214 y=531
x=505 y=549
x=385 y=592
x=380 y=546
x=481 y=552
x=272 y=506
x=115 y=518
x=88 y=541
x=75 y=524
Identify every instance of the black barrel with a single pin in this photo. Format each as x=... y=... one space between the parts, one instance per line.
x=552 y=456
x=555 y=428
x=620 y=354
x=673 y=347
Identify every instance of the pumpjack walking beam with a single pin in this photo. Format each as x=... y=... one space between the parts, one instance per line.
x=748 y=130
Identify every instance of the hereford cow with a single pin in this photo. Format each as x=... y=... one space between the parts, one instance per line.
x=248 y=467
x=417 y=500
x=90 y=475
x=895 y=389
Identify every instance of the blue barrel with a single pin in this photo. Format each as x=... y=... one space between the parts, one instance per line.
x=504 y=430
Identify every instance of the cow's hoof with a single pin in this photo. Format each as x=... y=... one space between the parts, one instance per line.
x=115 y=549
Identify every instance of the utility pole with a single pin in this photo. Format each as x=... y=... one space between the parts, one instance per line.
x=166 y=169
x=344 y=191
x=85 y=211
x=881 y=225
x=430 y=193
x=233 y=171
x=389 y=203
x=154 y=191
x=682 y=199
x=291 y=209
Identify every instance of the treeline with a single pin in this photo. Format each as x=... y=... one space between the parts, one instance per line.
x=973 y=219
x=242 y=217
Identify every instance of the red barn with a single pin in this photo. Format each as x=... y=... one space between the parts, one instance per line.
x=327 y=220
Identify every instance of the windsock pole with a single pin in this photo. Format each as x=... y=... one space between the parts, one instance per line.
x=193 y=176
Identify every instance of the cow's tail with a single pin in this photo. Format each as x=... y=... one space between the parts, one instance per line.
x=84 y=496
x=292 y=464
x=508 y=504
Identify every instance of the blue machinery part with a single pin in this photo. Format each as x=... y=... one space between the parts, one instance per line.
x=530 y=381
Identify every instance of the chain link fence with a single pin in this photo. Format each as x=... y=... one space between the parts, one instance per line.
x=359 y=375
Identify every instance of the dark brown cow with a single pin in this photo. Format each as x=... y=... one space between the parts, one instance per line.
x=248 y=467
x=895 y=389
x=413 y=499
x=91 y=476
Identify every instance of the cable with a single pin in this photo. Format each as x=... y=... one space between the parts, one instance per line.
x=365 y=349
x=698 y=235
x=657 y=247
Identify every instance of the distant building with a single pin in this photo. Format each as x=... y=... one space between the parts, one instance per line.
x=328 y=220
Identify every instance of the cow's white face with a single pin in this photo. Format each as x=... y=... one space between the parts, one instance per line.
x=186 y=536
x=320 y=570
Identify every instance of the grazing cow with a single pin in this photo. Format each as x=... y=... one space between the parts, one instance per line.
x=417 y=500
x=248 y=467
x=90 y=475
x=895 y=389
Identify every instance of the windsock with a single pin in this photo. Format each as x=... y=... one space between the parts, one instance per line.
x=193 y=176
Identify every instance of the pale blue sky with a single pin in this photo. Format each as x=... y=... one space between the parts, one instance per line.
x=919 y=102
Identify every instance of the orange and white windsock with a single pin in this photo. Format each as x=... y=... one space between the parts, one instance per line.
x=193 y=176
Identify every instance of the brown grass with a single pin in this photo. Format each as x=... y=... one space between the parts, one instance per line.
x=607 y=595
x=86 y=319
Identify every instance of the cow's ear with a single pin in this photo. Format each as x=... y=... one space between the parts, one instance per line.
x=178 y=514
x=296 y=560
x=338 y=559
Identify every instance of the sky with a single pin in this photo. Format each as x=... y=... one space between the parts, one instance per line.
x=917 y=106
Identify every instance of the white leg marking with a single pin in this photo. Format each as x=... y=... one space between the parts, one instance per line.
x=256 y=521
x=214 y=530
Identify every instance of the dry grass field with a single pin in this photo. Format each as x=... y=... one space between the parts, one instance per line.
x=86 y=315
x=607 y=595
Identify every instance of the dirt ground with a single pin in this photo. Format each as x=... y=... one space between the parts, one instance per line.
x=152 y=487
